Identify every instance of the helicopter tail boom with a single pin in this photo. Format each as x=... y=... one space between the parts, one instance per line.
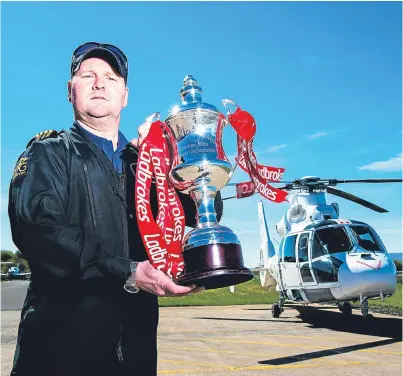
x=267 y=262
x=265 y=241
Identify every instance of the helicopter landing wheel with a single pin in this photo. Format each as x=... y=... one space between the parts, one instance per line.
x=346 y=308
x=365 y=309
x=275 y=310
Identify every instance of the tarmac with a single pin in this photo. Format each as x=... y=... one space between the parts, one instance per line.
x=246 y=340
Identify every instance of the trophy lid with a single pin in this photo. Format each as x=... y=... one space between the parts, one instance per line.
x=192 y=97
x=191 y=92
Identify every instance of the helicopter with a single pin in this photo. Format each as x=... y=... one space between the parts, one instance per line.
x=322 y=258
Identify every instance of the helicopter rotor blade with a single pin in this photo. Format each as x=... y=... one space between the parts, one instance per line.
x=281 y=182
x=270 y=182
x=228 y=198
x=357 y=200
x=337 y=181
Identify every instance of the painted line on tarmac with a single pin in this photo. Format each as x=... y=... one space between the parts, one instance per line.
x=248 y=342
x=252 y=368
x=298 y=357
x=188 y=362
x=204 y=350
x=318 y=337
x=283 y=345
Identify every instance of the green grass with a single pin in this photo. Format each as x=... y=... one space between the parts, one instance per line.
x=246 y=293
x=394 y=301
x=252 y=293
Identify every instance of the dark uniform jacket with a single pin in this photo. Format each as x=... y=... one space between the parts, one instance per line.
x=73 y=217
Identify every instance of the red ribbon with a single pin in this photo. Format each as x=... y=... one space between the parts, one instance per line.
x=162 y=238
x=245 y=127
x=245 y=189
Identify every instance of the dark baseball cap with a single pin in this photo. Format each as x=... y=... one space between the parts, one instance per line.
x=108 y=52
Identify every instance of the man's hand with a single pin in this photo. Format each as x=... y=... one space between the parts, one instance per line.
x=158 y=283
x=142 y=130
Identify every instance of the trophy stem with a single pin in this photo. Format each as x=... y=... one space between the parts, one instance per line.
x=204 y=196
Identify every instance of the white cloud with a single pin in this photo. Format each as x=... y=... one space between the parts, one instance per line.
x=313 y=60
x=317 y=135
x=392 y=164
x=275 y=148
x=321 y=134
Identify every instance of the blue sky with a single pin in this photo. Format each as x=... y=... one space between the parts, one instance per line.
x=323 y=81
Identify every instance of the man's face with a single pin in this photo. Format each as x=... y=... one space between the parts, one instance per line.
x=96 y=90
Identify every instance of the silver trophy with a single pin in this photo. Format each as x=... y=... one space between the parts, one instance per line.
x=212 y=253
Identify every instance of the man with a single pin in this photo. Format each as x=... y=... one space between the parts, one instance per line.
x=72 y=216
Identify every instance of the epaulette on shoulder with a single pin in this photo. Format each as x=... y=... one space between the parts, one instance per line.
x=51 y=133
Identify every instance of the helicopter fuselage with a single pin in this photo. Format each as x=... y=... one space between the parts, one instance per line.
x=333 y=260
x=322 y=258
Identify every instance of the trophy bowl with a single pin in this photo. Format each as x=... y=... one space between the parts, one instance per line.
x=212 y=253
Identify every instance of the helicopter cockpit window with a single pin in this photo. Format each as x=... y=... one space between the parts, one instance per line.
x=289 y=249
x=366 y=239
x=332 y=240
x=280 y=249
x=317 y=249
x=303 y=248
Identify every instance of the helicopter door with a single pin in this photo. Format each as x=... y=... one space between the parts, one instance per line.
x=288 y=264
x=305 y=270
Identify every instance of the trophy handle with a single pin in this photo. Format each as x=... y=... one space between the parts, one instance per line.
x=155 y=118
x=181 y=185
x=242 y=121
x=220 y=128
x=226 y=102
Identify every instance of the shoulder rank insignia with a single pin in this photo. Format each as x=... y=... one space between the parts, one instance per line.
x=42 y=135
x=21 y=169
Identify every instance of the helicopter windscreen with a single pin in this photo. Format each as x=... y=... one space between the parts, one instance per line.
x=332 y=240
x=366 y=239
x=327 y=241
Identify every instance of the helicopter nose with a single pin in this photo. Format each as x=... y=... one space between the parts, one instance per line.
x=370 y=276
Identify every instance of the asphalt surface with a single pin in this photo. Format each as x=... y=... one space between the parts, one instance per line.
x=246 y=340
x=13 y=294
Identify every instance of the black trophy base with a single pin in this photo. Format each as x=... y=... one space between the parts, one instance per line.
x=214 y=266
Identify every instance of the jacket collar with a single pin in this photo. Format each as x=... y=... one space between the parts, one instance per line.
x=80 y=135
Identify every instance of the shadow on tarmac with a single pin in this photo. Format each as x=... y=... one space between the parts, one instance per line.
x=390 y=327
x=322 y=318
x=323 y=353
x=327 y=317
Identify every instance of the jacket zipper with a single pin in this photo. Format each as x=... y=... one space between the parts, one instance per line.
x=119 y=346
x=92 y=204
x=125 y=223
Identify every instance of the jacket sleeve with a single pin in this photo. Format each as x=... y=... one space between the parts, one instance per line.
x=189 y=207
x=38 y=212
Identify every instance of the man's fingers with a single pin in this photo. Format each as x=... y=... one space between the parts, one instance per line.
x=144 y=128
x=192 y=292
x=173 y=289
x=135 y=142
x=197 y=290
x=158 y=283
